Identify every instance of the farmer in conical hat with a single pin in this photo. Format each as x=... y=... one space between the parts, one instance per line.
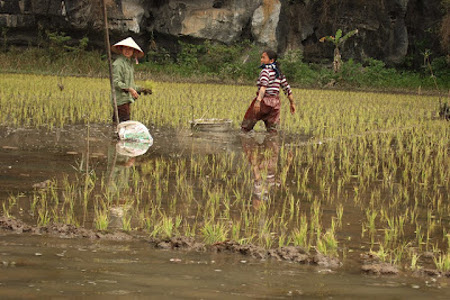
x=123 y=76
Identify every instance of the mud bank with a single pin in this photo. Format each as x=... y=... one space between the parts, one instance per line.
x=389 y=269
x=290 y=253
x=372 y=265
x=60 y=230
x=188 y=244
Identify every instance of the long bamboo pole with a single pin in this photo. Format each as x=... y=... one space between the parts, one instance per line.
x=108 y=50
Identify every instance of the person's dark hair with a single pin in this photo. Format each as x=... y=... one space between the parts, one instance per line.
x=273 y=55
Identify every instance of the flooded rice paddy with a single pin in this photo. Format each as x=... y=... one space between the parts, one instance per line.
x=351 y=199
x=225 y=191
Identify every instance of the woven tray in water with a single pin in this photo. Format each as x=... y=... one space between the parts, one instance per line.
x=211 y=124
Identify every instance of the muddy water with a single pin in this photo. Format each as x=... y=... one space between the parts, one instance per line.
x=38 y=266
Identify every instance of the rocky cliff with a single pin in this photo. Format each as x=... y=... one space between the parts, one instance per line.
x=388 y=29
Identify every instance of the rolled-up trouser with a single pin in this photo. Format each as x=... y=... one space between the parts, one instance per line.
x=124 y=113
x=269 y=112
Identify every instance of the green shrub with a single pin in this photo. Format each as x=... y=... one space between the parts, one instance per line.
x=217 y=62
x=296 y=70
x=441 y=67
x=352 y=73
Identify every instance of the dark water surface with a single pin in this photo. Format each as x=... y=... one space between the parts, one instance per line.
x=38 y=267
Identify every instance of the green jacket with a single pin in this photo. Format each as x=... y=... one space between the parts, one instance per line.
x=123 y=78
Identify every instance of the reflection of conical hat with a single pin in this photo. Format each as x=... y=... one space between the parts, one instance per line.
x=131 y=149
x=128 y=42
x=134 y=131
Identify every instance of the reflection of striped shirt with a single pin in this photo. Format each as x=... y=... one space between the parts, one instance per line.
x=267 y=78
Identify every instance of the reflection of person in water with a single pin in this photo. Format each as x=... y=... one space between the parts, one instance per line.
x=263 y=157
x=121 y=156
x=119 y=173
x=118 y=169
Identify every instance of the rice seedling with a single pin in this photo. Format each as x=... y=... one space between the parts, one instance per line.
x=190 y=231
x=283 y=240
x=101 y=216
x=43 y=217
x=339 y=214
x=414 y=260
x=382 y=254
x=214 y=232
x=126 y=223
x=327 y=243
x=299 y=235
x=382 y=159
x=442 y=262
x=236 y=231
x=5 y=210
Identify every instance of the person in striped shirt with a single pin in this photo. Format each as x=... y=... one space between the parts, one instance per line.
x=266 y=105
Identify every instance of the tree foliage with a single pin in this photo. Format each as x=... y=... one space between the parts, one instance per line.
x=338 y=40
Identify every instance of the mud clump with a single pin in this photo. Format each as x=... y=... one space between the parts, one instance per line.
x=248 y=250
x=380 y=268
x=13 y=225
x=43 y=184
x=289 y=253
x=326 y=261
x=432 y=273
x=60 y=230
x=178 y=243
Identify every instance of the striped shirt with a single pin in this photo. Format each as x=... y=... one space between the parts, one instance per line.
x=267 y=78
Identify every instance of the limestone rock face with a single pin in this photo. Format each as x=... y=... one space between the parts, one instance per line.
x=265 y=23
x=123 y=16
x=222 y=20
x=388 y=29
x=397 y=43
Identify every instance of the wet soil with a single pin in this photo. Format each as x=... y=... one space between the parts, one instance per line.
x=47 y=267
x=60 y=230
x=30 y=159
x=291 y=254
x=380 y=268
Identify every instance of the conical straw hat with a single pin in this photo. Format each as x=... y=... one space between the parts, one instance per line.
x=128 y=42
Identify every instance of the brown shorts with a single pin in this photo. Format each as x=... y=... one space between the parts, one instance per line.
x=124 y=113
x=269 y=113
